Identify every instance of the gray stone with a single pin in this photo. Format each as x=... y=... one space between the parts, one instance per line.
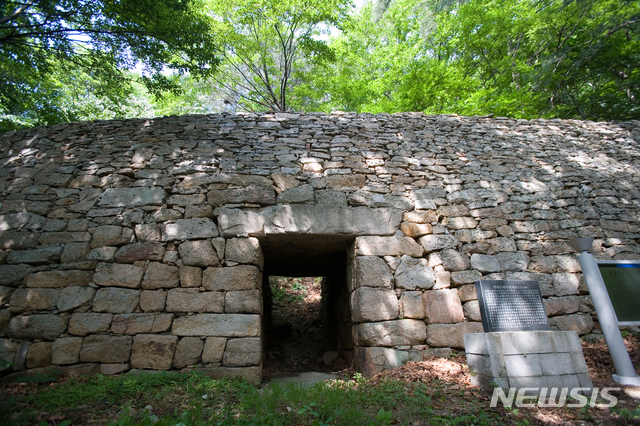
x=118 y=275
x=131 y=253
x=5 y=295
x=513 y=261
x=190 y=276
x=66 y=350
x=485 y=263
x=104 y=254
x=223 y=325
x=299 y=194
x=82 y=324
x=472 y=310
x=350 y=182
x=58 y=279
x=152 y=301
x=148 y=232
x=243 y=352
x=443 y=307
x=40 y=256
x=565 y=284
x=198 y=211
x=459 y=223
x=252 y=194
x=421 y=217
x=188 y=352
x=75 y=252
x=500 y=262
x=193 y=300
x=159 y=275
x=432 y=243
x=387 y=246
x=18 y=240
x=415 y=230
x=141 y=323
x=330 y=197
x=561 y=305
x=414 y=274
x=153 y=352
x=580 y=323
x=244 y=250
x=31 y=327
x=189 y=229
x=309 y=219
x=424 y=198
x=8 y=349
x=111 y=235
x=361 y=198
x=465 y=277
x=132 y=197
x=39 y=355
x=242 y=277
x=39 y=299
x=116 y=300
x=391 y=333
x=213 y=350
x=106 y=349
x=467 y=292
x=186 y=200
x=113 y=369
x=411 y=305
x=369 y=271
x=13 y=275
x=453 y=260
x=75 y=297
x=371 y=361
x=243 y=302
x=284 y=182
x=373 y=304
x=198 y=253
x=451 y=335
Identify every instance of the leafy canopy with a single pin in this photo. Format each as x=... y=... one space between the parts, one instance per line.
x=519 y=58
x=265 y=42
x=42 y=40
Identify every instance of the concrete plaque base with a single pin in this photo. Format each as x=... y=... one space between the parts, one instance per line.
x=526 y=359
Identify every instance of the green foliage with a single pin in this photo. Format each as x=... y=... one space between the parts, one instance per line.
x=47 y=46
x=523 y=59
x=266 y=41
x=286 y=290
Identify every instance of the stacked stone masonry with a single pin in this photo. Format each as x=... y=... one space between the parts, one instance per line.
x=137 y=244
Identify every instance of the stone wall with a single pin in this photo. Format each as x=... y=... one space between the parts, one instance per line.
x=140 y=244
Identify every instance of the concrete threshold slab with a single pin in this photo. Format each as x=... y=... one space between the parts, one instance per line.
x=307 y=379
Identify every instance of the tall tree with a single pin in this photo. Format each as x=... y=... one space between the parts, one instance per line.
x=526 y=59
x=266 y=41
x=103 y=38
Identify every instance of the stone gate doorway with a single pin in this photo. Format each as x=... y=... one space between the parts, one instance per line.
x=306 y=303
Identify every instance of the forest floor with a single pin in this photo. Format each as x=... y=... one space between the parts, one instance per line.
x=435 y=391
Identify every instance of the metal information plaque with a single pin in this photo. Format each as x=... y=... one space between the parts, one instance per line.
x=507 y=305
x=622 y=279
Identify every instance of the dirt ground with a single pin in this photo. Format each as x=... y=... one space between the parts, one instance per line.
x=299 y=340
x=302 y=351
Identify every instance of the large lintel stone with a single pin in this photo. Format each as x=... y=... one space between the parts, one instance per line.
x=309 y=219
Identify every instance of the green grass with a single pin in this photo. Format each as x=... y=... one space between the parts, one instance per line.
x=173 y=399
x=193 y=399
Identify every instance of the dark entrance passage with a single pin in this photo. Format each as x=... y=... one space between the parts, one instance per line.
x=306 y=306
